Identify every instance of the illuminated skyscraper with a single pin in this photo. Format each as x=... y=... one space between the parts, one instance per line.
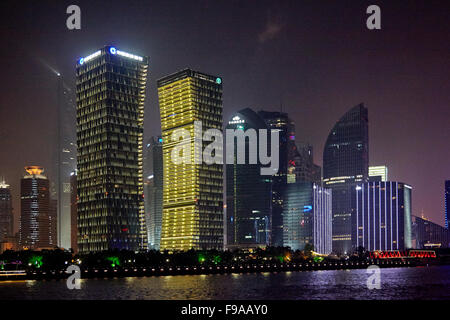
x=447 y=202
x=65 y=160
x=280 y=121
x=345 y=163
x=378 y=173
x=307 y=217
x=153 y=190
x=110 y=118
x=6 y=212
x=382 y=216
x=53 y=222
x=73 y=212
x=193 y=192
x=34 y=230
x=249 y=194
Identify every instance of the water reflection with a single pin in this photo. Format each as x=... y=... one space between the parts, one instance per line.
x=396 y=283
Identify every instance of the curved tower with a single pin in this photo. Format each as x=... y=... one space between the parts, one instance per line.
x=346 y=162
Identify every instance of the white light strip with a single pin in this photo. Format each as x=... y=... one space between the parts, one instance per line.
x=391 y=213
x=385 y=217
x=129 y=55
x=362 y=215
x=397 y=202
x=90 y=57
x=357 y=217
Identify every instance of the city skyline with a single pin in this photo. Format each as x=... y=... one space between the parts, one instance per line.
x=403 y=120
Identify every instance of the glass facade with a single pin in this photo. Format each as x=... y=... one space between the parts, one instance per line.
x=34 y=229
x=248 y=194
x=427 y=234
x=346 y=163
x=382 y=216
x=6 y=212
x=153 y=190
x=378 y=173
x=65 y=160
x=192 y=191
x=280 y=121
x=307 y=217
x=110 y=117
x=447 y=202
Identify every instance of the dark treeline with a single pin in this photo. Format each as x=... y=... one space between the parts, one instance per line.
x=59 y=259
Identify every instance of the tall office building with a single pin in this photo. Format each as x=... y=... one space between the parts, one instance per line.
x=153 y=191
x=73 y=212
x=303 y=167
x=447 y=202
x=110 y=122
x=248 y=194
x=193 y=192
x=34 y=230
x=53 y=222
x=280 y=121
x=307 y=217
x=427 y=234
x=378 y=173
x=382 y=216
x=345 y=163
x=65 y=160
x=6 y=212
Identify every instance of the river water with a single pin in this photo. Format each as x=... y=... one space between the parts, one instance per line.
x=396 y=283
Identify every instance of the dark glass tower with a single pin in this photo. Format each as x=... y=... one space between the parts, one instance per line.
x=447 y=202
x=153 y=190
x=110 y=117
x=6 y=212
x=248 y=195
x=346 y=162
x=280 y=121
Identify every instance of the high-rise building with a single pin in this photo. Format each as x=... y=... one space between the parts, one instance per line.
x=280 y=121
x=248 y=194
x=378 y=173
x=53 y=222
x=345 y=163
x=382 y=216
x=193 y=192
x=6 y=212
x=65 y=160
x=447 y=202
x=73 y=212
x=110 y=122
x=153 y=191
x=303 y=167
x=427 y=234
x=307 y=217
x=34 y=230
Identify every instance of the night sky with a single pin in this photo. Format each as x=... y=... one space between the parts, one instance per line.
x=314 y=59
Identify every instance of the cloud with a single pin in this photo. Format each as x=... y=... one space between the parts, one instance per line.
x=270 y=32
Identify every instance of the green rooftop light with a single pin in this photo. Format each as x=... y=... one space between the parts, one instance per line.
x=218 y=80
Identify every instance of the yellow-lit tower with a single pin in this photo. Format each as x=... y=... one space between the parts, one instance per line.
x=193 y=191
